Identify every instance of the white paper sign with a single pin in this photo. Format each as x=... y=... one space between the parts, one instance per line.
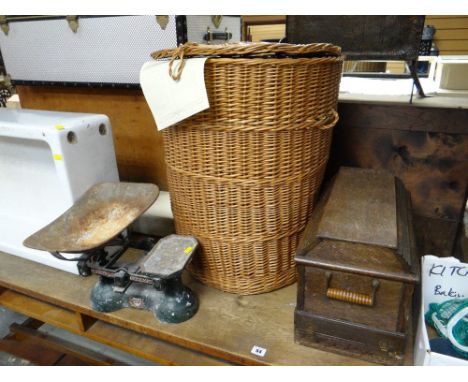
x=443 y=278
x=172 y=101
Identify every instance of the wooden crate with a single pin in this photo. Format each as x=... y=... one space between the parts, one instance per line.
x=358 y=269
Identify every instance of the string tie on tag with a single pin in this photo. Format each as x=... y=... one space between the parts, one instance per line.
x=175 y=73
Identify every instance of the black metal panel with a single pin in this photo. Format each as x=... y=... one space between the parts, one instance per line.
x=181 y=29
x=114 y=85
x=361 y=37
x=2 y=64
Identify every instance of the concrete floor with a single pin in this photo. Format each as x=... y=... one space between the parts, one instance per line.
x=7 y=317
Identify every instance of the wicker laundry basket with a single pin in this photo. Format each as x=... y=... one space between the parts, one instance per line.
x=244 y=174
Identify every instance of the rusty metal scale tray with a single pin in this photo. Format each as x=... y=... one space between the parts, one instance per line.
x=98 y=216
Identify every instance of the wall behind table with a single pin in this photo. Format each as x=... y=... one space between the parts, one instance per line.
x=138 y=146
x=427 y=148
x=451 y=35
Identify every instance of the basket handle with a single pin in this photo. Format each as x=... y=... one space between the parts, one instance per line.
x=349 y=296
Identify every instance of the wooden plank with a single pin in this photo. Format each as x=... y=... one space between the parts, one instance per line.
x=451 y=34
x=85 y=321
x=361 y=208
x=454 y=52
x=456 y=22
x=54 y=315
x=345 y=338
x=32 y=323
x=463 y=246
x=143 y=346
x=138 y=146
x=436 y=236
x=432 y=166
x=126 y=340
x=444 y=45
x=264 y=19
x=38 y=355
x=265 y=32
x=404 y=117
x=248 y=21
x=426 y=148
x=431 y=17
x=67 y=360
x=236 y=323
x=60 y=345
x=396 y=67
x=23 y=342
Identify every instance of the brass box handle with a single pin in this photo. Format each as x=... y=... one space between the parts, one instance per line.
x=349 y=296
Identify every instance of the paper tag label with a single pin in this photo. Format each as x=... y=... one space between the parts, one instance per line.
x=257 y=350
x=173 y=101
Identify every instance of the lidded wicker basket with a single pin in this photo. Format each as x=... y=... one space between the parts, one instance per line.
x=244 y=174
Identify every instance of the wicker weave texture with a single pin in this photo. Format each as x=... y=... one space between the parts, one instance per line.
x=269 y=94
x=244 y=174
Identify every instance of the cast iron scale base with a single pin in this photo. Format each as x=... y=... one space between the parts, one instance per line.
x=95 y=227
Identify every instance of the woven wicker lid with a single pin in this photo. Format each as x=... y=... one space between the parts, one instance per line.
x=256 y=49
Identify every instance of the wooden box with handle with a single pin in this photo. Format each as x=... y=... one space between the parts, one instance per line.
x=358 y=268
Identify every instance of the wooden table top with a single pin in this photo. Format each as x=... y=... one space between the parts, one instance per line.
x=226 y=326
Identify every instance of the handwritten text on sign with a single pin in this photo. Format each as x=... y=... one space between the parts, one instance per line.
x=443 y=278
